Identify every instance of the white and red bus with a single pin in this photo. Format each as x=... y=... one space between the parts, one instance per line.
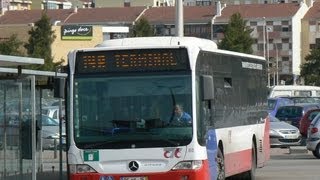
x=120 y=102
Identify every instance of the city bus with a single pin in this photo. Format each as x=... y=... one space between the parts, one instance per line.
x=120 y=99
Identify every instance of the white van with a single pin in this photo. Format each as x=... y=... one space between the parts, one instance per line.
x=294 y=90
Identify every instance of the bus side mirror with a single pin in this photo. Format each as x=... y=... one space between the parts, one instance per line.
x=59 y=87
x=207 y=87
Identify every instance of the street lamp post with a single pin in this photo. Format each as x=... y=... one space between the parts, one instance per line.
x=266 y=44
x=277 y=63
x=268 y=57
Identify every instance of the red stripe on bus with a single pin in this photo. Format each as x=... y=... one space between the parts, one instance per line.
x=202 y=173
x=266 y=140
x=237 y=162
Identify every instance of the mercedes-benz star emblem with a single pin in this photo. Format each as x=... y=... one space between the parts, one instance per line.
x=133 y=166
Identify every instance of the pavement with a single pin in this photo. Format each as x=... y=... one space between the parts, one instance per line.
x=51 y=163
x=290 y=150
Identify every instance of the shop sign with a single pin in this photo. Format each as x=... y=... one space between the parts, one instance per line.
x=75 y=32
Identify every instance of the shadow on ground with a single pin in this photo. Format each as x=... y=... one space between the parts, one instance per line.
x=40 y=176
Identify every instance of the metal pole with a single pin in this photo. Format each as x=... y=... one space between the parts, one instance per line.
x=40 y=140
x=5 y=131
x=20 y=125
x=277 y=63
x=179 y=18
x=33 y=127
x=268 y=58
x=264 y=37
x=60 y=138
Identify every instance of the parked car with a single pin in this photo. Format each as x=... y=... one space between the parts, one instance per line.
x=306 y=120
x=53 y=112
x=50 y=133
x=313 y=137
x=283 y=134
x=275 y=103
x=302 y=99
x=292 y=114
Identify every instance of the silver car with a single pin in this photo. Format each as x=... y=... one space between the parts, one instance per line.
x=282 y=134
x=50 y=133
x=313 y=137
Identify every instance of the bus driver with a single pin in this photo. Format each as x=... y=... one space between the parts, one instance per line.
x=180 y=115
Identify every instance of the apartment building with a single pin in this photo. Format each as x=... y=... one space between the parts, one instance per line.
x=310 y=31
x=237 y=2
x=277 y=35
x=278 y=31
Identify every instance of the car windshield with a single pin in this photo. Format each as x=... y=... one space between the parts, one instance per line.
x=274 y=119
x=315 y=119
x=289 y=111
x=127 y=112
x=271 y=104
x=47 y=121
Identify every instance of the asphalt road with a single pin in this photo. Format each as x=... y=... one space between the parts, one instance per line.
x=294 y=164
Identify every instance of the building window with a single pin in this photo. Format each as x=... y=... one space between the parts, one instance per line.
x=285 y=58
x=284 y=22
x=270 y=41
x=285 y=40
x=126 y=3
x=285 y=28
x=269 y=23
x=260 y=47
x=253 y=23
x=312 y=46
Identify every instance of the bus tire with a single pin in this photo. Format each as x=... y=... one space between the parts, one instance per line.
x=220 y=165
x=251 y=174
x=316 y=152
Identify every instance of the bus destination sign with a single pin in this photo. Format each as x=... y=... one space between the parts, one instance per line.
x=131 y=60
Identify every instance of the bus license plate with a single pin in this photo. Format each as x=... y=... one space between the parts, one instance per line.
x=134 y=178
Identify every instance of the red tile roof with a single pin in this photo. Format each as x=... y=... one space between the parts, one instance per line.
x=155 y=15
x=314 y=11
x=192 y=14
x=31 y=16
x=106 y=15
x=261 y=10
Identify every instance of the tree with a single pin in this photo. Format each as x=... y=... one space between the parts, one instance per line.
x=39 y=44
x=237 y=36
x=142 y=28
x=310 y=70
x=11 y=46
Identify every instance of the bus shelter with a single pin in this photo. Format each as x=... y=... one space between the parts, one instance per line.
x=21 y=94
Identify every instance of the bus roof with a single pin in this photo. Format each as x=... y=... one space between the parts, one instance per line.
x=160 y=41
x=203 y=44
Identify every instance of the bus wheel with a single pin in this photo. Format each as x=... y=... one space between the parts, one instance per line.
x=316 y=152
x=249 y=175
x=220 y=165
x=252 y=172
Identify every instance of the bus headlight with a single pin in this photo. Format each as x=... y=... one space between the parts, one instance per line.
x=191 y=165
x=81 y=168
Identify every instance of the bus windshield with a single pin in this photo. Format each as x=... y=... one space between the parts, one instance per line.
x=131 y=111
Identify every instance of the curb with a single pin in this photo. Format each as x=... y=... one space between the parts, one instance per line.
x=298 y=150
